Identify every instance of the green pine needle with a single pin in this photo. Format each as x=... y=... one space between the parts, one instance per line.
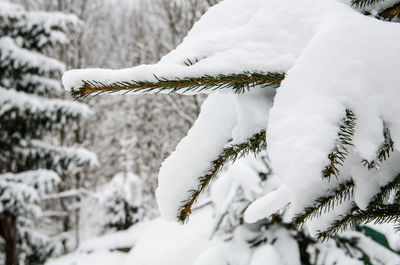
x=254 y=145
x=383 y=214
x=384 y=193
x=383 y=152
x=364 y=3
x=343 y=143
x=326 y=203
x=239 y=83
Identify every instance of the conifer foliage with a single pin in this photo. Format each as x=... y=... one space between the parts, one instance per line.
x=122 y=200
x=331 y=137
x=274 y=238
x=30 y=167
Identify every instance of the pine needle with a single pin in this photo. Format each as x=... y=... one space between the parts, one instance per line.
x=254 y=145
x=343 y=143
x=239 y=83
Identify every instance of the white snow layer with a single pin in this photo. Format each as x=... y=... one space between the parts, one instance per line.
x=335 y=59
x=192 y=157
x=262 y=36
x=10 y=10
x=126 y=184
x=21 y=57
x=79 y=155
x=224 y=119
x=352 y=62
x=159 y=242
x=11 y=99
x=53 y=24
x=153 y=242
x=21 y=192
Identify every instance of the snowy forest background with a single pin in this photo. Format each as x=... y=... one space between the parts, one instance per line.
x=104 y=210
x=130 y=135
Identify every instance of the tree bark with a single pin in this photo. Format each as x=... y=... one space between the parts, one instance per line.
x=8 y=230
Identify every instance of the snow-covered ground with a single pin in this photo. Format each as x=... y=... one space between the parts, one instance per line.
x=149 y=243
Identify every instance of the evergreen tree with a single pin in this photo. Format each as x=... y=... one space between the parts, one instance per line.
x=29 y=166
x=122 y=200
x=320 y=88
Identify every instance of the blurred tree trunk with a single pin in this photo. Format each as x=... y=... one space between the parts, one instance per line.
x=8 y=230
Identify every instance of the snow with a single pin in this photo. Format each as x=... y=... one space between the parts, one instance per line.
x=19 y=193
x=146 y=237
x=247 y=41
x=10 y=10
x=266 y=253
x=52 y=24
x=244 y=173
x=378 y=253
x=312 y=99
x=252 y=111
x=122 y=198
x=41 y=84
x=323 y=222
x=213 y=255
x=221 y=192
x=79 y=155
x=367 y=185
x=11 y=99
x=314 y=95
x=285 y=244
x=223 y=119
x=127 y=185
x=50 y=21
x=24 y=182
x=335 y=59
x=18 y=198
x=267 y=205
x=387 y=230
x=161 y=242
x=193 y=155
x=20 y=57
x=98 y=257
x=42 y=180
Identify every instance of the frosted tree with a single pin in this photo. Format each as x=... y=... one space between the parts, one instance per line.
x=122 y=200
x=29 y=166
x=313 y=79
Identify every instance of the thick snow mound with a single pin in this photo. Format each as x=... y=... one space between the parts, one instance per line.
x=344 y=66
x=193 y=155
x=265 y=36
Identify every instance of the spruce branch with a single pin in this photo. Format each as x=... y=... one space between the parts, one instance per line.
x=376 y=211
x=364 y=3
x=391 y=12
x=239 y=83
x=386 y=14
x=383 y=152
x=384 y=193
x=254 y=145
x=343 y=143
x=383 y=214
x=348 y=220
x=326 y=203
